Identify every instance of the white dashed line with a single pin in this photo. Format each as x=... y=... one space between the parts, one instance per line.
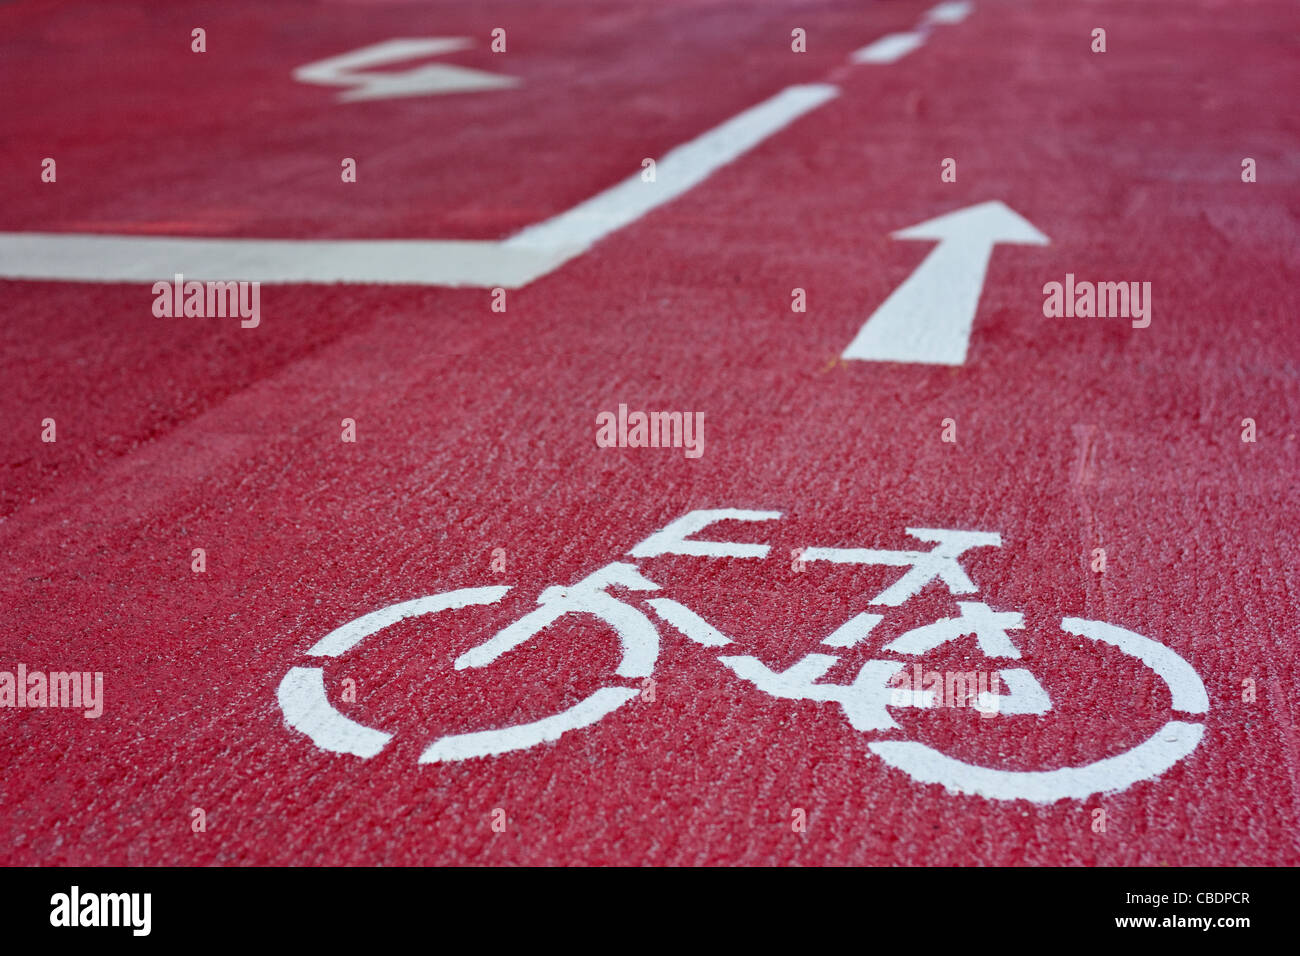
x=954 y=12
x=889 y=48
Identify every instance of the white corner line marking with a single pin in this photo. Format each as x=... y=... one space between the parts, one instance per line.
x=512 y=263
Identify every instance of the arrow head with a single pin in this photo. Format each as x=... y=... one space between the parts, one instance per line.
x=987 y=222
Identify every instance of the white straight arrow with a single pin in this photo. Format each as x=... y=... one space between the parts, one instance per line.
x=928 y=318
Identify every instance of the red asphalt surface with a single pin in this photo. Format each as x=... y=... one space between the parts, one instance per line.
x=476 y=431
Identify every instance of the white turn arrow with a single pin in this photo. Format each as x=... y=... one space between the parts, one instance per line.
x=354 y=70
x=928 y=318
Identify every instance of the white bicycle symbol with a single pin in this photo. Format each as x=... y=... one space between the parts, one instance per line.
x=865 y=701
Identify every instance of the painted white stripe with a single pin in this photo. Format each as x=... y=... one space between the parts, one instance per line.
x=680 y=170
x=307 y=709
x=954 y=12
x=636 y=634
x=1027 y=695
x=675 y=538
x=352 y=633
x=1186 y=690
x=689 y=623
x=485 y=743
x=530 y=254
x=796 y=682
x=93 y=258
x=853 y=630
x=898 y=559
x=889 y=49
x=1174 y=741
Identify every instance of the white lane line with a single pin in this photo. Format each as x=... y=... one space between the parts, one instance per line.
x=894 y=46
x=680 y=170
x=954 y=12
x=889 y=49
x=513 y=263
x=104 y=258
